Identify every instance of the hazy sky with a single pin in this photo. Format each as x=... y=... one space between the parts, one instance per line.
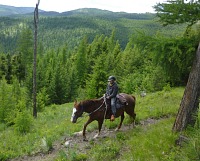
x=130 y=6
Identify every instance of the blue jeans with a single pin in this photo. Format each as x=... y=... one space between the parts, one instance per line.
x=113 y=105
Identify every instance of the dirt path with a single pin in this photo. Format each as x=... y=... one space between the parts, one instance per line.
x=76 y=142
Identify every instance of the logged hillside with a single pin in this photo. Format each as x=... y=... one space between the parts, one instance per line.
x=68 y=28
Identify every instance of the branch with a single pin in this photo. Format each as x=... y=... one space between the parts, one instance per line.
x=177 y=12
x=36 y=12
x=38 y=2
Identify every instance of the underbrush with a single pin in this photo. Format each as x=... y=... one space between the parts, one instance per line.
x=154 y=142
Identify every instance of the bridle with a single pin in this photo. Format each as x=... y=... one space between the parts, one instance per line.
x=104 y=102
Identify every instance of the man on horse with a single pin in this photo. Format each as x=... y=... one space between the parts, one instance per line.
x=111 y=93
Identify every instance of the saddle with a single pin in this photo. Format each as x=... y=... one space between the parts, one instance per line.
x=120 y=101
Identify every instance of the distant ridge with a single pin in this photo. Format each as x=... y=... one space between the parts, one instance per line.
x=11 y=10
x=14 y=11
x=70 y=27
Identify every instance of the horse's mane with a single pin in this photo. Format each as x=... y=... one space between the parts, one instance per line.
x=90 y=102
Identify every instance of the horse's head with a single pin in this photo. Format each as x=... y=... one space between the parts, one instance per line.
x=77 y=112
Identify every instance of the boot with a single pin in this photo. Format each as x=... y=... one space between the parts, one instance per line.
x=112 y=118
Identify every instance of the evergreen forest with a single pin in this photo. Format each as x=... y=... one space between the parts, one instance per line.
x=77 y=53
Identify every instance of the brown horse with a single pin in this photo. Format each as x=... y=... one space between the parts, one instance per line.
x=99 y=109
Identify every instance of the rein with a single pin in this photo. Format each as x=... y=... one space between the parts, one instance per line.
x=105 y=107
x=81 y=118
x=104 y=101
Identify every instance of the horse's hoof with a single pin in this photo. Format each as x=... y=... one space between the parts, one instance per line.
x=67 y=143
x=84 y=139
x=96 y=136
x=78 y=133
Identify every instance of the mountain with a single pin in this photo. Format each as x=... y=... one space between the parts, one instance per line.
x=16 y=11
x=11 y=10
x=69 y=28
x=94 y=12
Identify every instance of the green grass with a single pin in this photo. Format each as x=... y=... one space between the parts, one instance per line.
x=50 y=125
x=152 y=142
x=159 y=104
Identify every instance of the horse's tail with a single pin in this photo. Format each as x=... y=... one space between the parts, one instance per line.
x=133 y=97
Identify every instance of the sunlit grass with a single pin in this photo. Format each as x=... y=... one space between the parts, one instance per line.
x=152 y=142
x=159 y=104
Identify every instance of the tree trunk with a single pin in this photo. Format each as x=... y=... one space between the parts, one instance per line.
x=188 y=110
x=35 y=62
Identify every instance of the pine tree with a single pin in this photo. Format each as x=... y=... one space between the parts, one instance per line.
x=8 y=75
x=25 y=46
x=96 y=85
x=7 y=103
x=81 y=62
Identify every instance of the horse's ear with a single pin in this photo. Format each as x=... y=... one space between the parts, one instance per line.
x=75 y=101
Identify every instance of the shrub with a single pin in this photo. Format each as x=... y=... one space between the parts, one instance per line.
x=42 y=100
x=46 y=144
x=23 y=122
x=167 y=87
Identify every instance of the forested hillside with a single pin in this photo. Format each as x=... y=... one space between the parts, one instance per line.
x=70 y=27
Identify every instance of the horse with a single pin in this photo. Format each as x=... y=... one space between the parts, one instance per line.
x=99 y=109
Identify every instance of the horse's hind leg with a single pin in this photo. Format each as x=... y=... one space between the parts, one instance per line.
x=133 y=117
x=120 y=124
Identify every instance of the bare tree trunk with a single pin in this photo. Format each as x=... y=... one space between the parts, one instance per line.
x=35 y=61
x=188 y=110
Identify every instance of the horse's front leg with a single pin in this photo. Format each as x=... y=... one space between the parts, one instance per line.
x=100 y=123
x=120 y=124
x=84 y=128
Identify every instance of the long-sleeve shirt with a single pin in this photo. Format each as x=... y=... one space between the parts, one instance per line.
x=112 y=90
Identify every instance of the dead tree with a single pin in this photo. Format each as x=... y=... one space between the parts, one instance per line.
x=35 y=60
x=189 y=106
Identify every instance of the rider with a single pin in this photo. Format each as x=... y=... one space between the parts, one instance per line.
x=111 y=92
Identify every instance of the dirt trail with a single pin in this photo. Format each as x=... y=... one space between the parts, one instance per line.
x=76 y=142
